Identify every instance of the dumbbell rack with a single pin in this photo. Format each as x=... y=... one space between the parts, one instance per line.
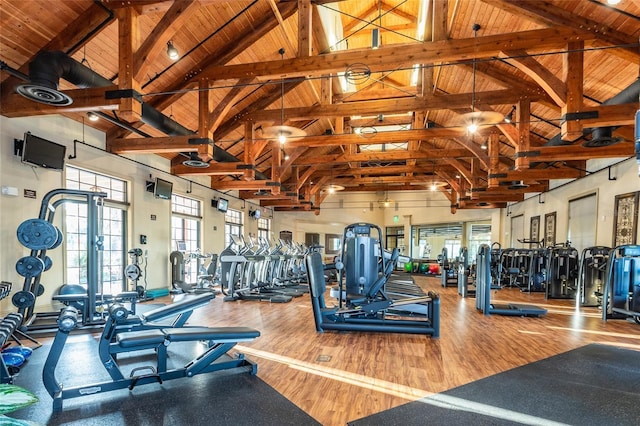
x=8 y=329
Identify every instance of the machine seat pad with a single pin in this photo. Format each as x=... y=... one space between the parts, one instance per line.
x=185 y=305
x=131 y=339
x=189 y=334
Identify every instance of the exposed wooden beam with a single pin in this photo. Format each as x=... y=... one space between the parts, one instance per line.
x=549 y=14
x=155 y=43
x=578 y=152
x=399 y=105
x=387 y=57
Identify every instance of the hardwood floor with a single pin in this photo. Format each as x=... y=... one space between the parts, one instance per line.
x=342 y=376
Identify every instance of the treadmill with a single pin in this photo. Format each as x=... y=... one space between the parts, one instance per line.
x=483 y=291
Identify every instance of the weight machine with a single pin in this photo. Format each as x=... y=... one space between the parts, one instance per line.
x=364 y=305
x=39 y=235
x=562 y=272
x=483 y=291
x=592 y=275
x=179 y=259
x=621 y=297
x=464 y=273
x=448 y=269
x=133 y=272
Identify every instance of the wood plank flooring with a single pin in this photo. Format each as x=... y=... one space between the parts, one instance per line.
x=340 y=376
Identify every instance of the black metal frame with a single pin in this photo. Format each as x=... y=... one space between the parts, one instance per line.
x=125 y=335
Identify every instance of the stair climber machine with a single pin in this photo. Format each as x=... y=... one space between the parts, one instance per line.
x=592 y=275
x=562 y=272
x=133 y=272
x=240 y=269
x=621 y=297
x=483 y=291
x=363 y=303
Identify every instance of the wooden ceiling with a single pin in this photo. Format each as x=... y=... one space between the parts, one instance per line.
x=370 y=119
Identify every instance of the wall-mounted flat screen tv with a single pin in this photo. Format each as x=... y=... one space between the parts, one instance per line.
x=163 y=189
x=223 y=205
x=43 y=153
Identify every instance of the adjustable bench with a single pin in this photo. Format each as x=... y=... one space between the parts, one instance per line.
x=122 y=334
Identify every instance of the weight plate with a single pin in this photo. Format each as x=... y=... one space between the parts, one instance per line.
x=40 y=290
x=48 y=263
x=29 y=266
x=132 y=272
x=23 y=299
x=59 y=239
x=37 y=234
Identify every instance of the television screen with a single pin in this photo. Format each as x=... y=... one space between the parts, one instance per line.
x=163 y=189
x=223 y=205
x=43 y=153
x=255 y=214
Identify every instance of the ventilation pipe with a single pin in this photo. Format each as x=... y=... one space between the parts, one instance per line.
x=48 y=67
x=602 y=136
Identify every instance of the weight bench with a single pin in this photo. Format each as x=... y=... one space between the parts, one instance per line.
x=220 y=340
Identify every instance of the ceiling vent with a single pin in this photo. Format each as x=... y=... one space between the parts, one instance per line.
x=518 y=184
x=601 y=137
x=195 y=162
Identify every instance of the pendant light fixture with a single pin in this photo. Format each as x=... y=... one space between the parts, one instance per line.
x=281 y=132
x=475 y=119
x=172 y=52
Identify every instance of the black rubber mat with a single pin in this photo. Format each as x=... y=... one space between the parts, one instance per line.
x=592 y=385
x=218 y=398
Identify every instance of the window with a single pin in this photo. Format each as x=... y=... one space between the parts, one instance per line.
x=233 y=225
x=185 y=230
x=479 y=234
x=264 y=228
x=453 y=248
x=395 y=238
x=429 y=240
x=112 y=228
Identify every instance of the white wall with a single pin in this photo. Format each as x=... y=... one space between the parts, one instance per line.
x=14 y=210
x=337 y=211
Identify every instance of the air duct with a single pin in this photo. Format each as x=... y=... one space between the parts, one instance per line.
x=602 y=136
x=48 y=67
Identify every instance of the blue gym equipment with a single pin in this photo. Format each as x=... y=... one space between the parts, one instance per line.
x=483 y=291
x=364 y=304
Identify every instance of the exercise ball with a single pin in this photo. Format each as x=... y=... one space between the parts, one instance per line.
x=424 y=267
x=73 y=289
x=408 y=267
x=434 y=269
